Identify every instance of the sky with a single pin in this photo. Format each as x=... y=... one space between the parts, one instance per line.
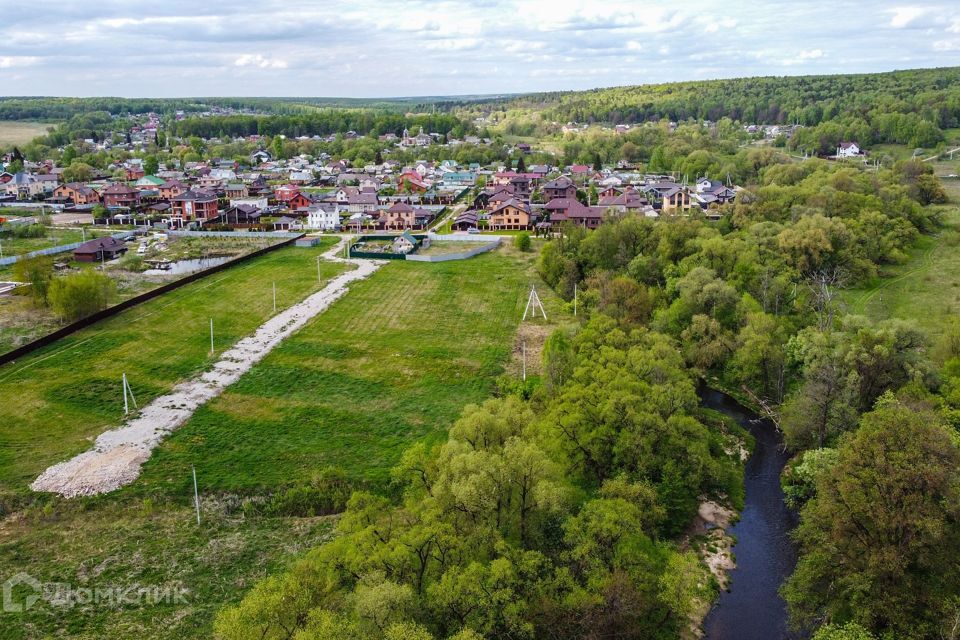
x=383 y=48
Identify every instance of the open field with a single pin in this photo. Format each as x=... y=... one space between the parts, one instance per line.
x=926 y=289
x=70 y=392
x=392 y=362
x=21 y=131
x=54 y=236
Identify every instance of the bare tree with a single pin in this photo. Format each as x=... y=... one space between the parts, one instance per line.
x=824 y=286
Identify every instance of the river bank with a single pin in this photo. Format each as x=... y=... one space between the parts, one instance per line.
x=750 y=606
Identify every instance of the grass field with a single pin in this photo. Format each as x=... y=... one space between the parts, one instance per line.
x=64 y=395
x=392 y=362
x=21 y=132
x=55 y=236
x=926 y=289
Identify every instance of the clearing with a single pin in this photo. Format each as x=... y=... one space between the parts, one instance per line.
x=926 y=289
x=22 y=131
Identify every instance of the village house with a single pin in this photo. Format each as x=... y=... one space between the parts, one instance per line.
x=78 y=193
x=512 y=214
x=120 y=195
x=848 y=150
x=99 y=249
x=562 y=210
x=364 y=202
x=236 y=190
x=23 y=186
x=323 y=216
x=241 y=215
x=171 y=189
x=193 y=205
x=672 y=196
x=561 y=187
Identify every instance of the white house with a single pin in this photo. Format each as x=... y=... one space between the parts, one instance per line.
x=327 y=219
x=848 y=150
x=259 y=203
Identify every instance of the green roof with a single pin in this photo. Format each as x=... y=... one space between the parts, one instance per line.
x=152 y=180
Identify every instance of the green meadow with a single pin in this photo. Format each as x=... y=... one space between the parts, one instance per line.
x=391 y=363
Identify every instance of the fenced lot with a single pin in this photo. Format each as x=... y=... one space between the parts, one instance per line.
x=391 y=363
x=66 y=393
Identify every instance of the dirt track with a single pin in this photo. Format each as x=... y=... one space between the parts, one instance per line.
x=118 y=454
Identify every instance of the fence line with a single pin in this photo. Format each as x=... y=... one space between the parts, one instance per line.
x=50 y=251
x=63 y=332
x=463 y=255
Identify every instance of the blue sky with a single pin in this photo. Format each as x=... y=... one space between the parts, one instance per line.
x=370 y=48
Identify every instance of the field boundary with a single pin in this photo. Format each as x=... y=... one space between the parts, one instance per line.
x=462 y=255
x=51 y=251
x=62 y=332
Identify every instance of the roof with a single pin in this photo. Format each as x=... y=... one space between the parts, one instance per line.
x=563 y=182
x=194 y=195
x=117 y=189
x=106 y=243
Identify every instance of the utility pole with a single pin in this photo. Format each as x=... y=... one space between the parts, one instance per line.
x=128 y=396
x=196 y=494
x=524 y=348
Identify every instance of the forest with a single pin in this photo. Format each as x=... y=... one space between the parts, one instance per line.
x=557 y=509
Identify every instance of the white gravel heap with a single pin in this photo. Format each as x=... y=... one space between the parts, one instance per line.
x=118 y=454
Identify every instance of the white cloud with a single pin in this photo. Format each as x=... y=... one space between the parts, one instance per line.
x=811 y=54
x=257 y=60
x=9 y=62
x=903 y=16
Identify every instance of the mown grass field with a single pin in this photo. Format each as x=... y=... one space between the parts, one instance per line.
x=59 y=398
x=926 y=289
x=392 y=362
x=21 y=132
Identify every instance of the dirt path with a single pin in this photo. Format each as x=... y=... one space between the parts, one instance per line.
x=118 y=454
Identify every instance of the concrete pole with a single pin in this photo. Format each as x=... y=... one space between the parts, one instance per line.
x=196 y=493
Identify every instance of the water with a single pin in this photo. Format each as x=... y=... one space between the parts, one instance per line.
x=181 y=267
x=753 y=608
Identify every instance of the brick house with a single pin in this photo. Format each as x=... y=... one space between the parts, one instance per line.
x=561 y=187
x=120 y=195
x=193 y=205
x=171 y=189
x=78 y=193
x=512 y=214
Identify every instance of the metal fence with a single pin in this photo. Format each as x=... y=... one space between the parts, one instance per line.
x=233 y=234
x=462 y=255
x=51 y=251
x=63 y=332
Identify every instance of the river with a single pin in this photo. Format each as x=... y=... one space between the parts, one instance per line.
x=752 y=609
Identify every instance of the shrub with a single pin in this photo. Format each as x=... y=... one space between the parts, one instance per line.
x=80 y=295
x=522 y=241
x=327 y=493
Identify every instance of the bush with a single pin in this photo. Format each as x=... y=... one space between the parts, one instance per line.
x=327 y=493
x=38 y=271
x=80 y=295
x=522 y=241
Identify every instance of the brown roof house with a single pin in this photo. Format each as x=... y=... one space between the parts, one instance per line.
x=106 y=248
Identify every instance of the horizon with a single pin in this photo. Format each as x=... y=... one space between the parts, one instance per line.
x=460 y=96
x=387 y=50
